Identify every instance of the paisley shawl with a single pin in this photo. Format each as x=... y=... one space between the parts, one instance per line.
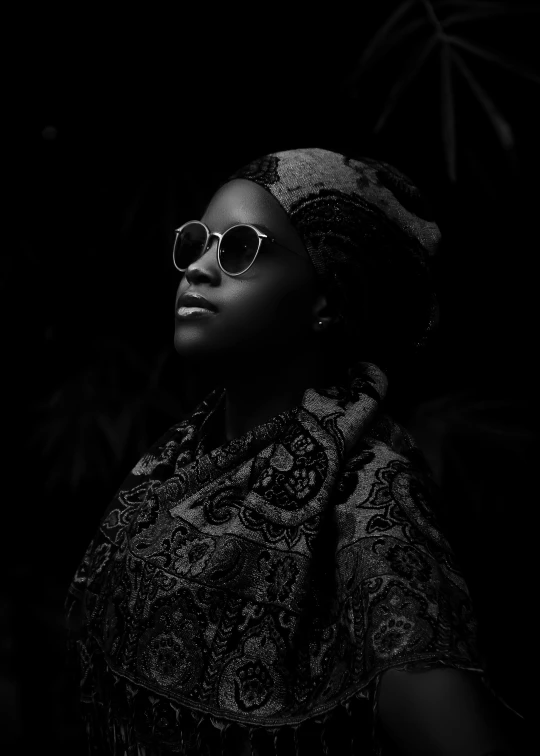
x=246 y=598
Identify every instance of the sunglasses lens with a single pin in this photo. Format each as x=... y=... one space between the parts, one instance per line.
x=238 y=249
x=189 y=245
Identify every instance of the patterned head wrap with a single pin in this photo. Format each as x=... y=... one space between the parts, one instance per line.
x=371 y=239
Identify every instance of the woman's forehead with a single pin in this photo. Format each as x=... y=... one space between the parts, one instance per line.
x=243 y=201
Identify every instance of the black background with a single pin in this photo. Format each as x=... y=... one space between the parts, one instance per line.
x=117 y=130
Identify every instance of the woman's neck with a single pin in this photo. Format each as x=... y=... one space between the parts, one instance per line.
x=258 y=393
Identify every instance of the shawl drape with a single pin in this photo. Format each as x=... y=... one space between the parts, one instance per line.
x=249 y=595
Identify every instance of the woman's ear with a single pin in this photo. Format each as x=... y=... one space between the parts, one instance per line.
x=326 y=311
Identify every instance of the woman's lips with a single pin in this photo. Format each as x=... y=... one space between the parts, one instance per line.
x=185 y=313
x=195 y=299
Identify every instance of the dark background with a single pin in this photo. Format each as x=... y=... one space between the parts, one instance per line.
x=117 y=131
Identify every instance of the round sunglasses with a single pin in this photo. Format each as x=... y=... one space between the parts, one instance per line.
x=237 y=247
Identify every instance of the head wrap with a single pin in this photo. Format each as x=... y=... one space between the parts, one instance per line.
x=371 y=238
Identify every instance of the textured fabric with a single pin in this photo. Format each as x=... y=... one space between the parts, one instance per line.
x=371 y=238
x=245 y=598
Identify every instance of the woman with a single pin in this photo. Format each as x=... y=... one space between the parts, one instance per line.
x=271 y=577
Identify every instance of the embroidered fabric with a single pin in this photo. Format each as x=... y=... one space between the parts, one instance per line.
x=245 y=598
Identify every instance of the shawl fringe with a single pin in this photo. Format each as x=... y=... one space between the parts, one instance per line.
x=113 y=728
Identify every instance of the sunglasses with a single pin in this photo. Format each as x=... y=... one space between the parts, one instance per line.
x=237 y=247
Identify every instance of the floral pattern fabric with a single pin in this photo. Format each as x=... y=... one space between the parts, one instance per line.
x=246 y=597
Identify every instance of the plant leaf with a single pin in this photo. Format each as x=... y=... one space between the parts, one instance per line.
x=116 y=430
x=480 y=4
x=500 y=124
x=480 y=13
x=494 y=57
x=157 y=369
x=448 y=113
x=381 y=34
x=405 y=80
x=390 y=43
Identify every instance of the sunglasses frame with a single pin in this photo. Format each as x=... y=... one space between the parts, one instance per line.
x=209 y=234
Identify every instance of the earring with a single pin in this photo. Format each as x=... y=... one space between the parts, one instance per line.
x=320 y=324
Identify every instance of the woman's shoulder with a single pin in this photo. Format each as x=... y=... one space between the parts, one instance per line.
x=390 y=441
x=388 y=469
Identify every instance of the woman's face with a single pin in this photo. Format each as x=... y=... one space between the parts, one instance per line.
x=268 y=309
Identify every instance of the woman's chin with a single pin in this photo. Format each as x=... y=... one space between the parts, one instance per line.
x=195 y=349
x=195 y=352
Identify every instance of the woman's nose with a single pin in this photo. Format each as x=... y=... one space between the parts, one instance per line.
x=205 y=266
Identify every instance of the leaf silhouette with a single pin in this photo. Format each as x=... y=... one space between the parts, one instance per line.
x=480 y=4
x=500 y=124
x=397 y=30
x=495 y=57
x=501 y=9
x=381 y=35
x=117 y=430
x=405 y=80
x=448 y=112
x=93 y=423
x=389 y=45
